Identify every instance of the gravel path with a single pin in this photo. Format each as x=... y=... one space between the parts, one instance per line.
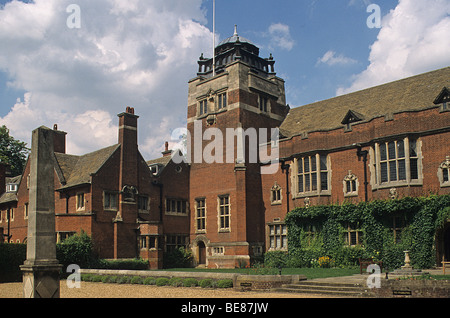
x=101 y=290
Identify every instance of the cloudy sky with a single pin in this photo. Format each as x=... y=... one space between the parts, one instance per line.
x=142 y=53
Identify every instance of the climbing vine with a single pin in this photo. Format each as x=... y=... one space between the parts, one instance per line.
x=378 y=229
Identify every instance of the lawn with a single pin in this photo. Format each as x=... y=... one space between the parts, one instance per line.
x=310 y=273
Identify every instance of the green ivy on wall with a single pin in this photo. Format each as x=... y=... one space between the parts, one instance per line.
x=320 y=231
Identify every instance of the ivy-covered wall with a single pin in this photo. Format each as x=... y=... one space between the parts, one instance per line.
x=323 y=231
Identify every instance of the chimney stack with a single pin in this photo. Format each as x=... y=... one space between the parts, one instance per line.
x=59 y=140
x=166 y=152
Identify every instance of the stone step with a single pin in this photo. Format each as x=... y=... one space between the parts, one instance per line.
x=337 y=289
x=337 y=293
x=322 y=287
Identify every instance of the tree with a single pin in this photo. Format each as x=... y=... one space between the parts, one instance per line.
x=12 y=152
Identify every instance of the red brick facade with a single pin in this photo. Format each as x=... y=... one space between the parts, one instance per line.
x=386 y=142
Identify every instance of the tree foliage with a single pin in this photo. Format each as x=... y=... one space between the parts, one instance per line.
x=12 y=152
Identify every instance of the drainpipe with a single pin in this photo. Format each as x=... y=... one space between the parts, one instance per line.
x=285 y=167
x=363 y=154
x=8 y=214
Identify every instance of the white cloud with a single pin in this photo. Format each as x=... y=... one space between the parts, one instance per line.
x=135 y=53
x=413 y=40
x=280 y=36
x=330 y=58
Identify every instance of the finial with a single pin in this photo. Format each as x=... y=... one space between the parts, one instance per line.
x=235 y=30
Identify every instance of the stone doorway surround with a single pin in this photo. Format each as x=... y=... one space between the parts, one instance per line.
x=199 y=248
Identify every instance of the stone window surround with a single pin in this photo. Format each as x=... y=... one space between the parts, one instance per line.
x=273 y=195
x=225 y=216
x=318 y=192
x=350 y=177
x=444 y=166
x=375 y=170
x=197 y=218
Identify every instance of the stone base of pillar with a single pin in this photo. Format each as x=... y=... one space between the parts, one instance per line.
x=41 y=280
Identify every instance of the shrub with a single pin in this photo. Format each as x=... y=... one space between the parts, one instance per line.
x=96 y=278
x=136 y=280
x=130 y=264
x=112 y=279
x=123 y=279
x=225 y=283
x=86 y=277
x=206 y=283
x=190 y=282
x=149 y=281
x=11 y=257
x=176 y=282
x=178 y=258
x=276 y=259
x=162 y=281
x=76 y=249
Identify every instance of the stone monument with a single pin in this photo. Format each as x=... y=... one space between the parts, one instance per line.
x=407 y=269
x=41 y=269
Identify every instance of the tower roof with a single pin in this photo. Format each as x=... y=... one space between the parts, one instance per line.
x=235 y=38
x=236 y=48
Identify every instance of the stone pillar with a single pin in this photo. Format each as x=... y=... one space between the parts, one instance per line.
x=41 y=269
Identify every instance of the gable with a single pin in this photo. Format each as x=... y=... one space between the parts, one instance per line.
x=443 y=97
x=77 y=170
x=352 y=117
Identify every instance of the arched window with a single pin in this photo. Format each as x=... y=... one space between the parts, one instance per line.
x=444 y=173
x=350 y=184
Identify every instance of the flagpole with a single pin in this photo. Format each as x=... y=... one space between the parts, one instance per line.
x=214 y=38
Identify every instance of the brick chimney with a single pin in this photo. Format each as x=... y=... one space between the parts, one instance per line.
x=166 y=151
x=129 y=148
x=59 y=140
x=125 y=219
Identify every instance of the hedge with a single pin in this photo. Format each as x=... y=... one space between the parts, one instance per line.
x=77 y=249
x=421 y=217
x=11 y=257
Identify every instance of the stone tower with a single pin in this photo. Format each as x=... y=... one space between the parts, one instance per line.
x=243 y=91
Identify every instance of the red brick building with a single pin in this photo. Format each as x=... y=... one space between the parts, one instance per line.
x=108 y=194
x=388 y=141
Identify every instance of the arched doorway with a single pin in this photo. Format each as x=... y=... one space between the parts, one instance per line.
x=199 y=248
x=447 y=244
x=201 y=253
x=443 y=244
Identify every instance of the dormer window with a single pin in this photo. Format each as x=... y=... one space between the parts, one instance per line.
x=350 y=118
x=11 y=187
x=155 y=169
x=443 y=99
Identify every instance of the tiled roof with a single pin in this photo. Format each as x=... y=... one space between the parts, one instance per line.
x=77 y=170
x=410 y=94
x=10 y=196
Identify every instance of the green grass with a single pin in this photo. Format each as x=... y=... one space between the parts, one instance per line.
x=310 y=273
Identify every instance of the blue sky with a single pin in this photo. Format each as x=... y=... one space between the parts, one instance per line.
x=142 y=53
